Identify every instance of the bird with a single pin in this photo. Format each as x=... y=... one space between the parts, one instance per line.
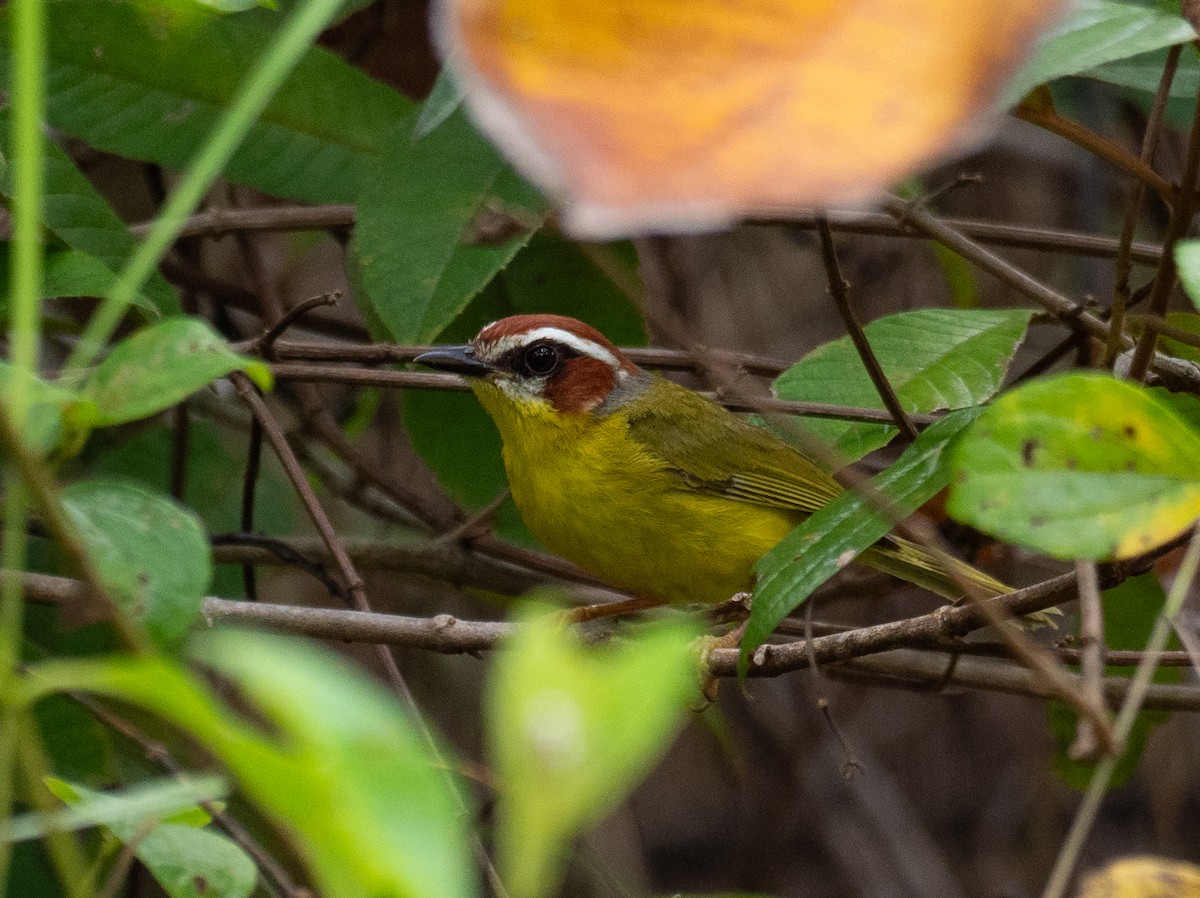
x=643 y=482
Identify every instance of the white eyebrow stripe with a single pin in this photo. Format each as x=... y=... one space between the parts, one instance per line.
x=558 y=335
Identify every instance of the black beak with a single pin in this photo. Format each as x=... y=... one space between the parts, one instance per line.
x=455 y=359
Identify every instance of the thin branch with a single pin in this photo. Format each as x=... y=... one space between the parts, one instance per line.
x=428 y=380
x=838 y=289
x=1173 y=370
x=450 y=635
x=218 y=222
x=299 y=480
x=1133 y=205
x=1093 y=142
x=1091 y=636
x=1183 y=210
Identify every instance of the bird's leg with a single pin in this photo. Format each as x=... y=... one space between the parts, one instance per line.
x=610 y=609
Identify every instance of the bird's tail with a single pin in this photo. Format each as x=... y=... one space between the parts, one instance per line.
x=908 y=561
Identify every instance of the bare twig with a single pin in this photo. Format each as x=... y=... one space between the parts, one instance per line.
x=1090 y=140
x=291 y=466
x=1183 y=210
x=838 y=289
x=451 y=635
x=291 y=371
x=1133 y=204
x=218 y=222
x=1091 y=636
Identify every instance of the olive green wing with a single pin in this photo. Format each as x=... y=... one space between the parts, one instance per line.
x=712 y=450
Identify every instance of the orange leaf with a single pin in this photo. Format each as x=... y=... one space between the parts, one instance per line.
x=647 y=115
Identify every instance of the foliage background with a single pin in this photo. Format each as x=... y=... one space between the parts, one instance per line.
x=954 y=792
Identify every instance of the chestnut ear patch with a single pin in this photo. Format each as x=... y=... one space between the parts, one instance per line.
x=581 y=385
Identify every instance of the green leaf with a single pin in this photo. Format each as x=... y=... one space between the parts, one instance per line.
x=151 y=553
x=443 y=100
x=216 y=464
x=1130 y=611
x=339 y=767
x=1185 y=321
x=75 y=741
x=450 y=431
x=565 y=741
x=160 y=366
x=1187 y=260
x=71 y=272
x=187 y=862
x=141 y=79
x=934 y=358
x=1079 y=466
x=418 y=276
x=57 y=415
x=152 y=799
x=74 y=213
x=1144 y=72
x=1096 y=32
x=818 y=548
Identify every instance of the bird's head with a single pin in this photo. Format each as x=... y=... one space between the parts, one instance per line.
x=549 y=361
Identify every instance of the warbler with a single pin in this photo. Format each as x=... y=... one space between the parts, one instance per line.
x=641 y=481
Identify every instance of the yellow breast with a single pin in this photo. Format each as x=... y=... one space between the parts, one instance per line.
x=595 y=496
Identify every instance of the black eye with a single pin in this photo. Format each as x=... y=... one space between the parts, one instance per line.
x=540 y=359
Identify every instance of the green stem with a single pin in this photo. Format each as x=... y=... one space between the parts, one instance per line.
x=28 y=37
x=297 y=35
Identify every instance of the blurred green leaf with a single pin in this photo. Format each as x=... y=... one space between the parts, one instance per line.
x=1185 y=321
x=56 y=414
x=1187 y=261
x=1096 y=32
x=340 y=767
x=160 y=366
x=1079 y=466
x=418 y=260
x=1130 y=611
x=147 y=80
x=566 y=742
x=152 y=799
x=817 y=549
x=151 y=553
x=77 y=744
x=188 y=862
x=76 y=214
x=450 y=430
x=72 y=272
x=934 y=358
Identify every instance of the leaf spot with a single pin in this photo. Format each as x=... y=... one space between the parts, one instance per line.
x=1097 y=433
x=1028 y=448
x=1038 y=520
x=1129 y=431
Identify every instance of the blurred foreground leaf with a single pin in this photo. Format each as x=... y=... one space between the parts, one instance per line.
x=340 y=767
x=186 y=860
x=571 y=730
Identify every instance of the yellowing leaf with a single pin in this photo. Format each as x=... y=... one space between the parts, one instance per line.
x=676 y=114
x=1080 y=466
x=1143 y=877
